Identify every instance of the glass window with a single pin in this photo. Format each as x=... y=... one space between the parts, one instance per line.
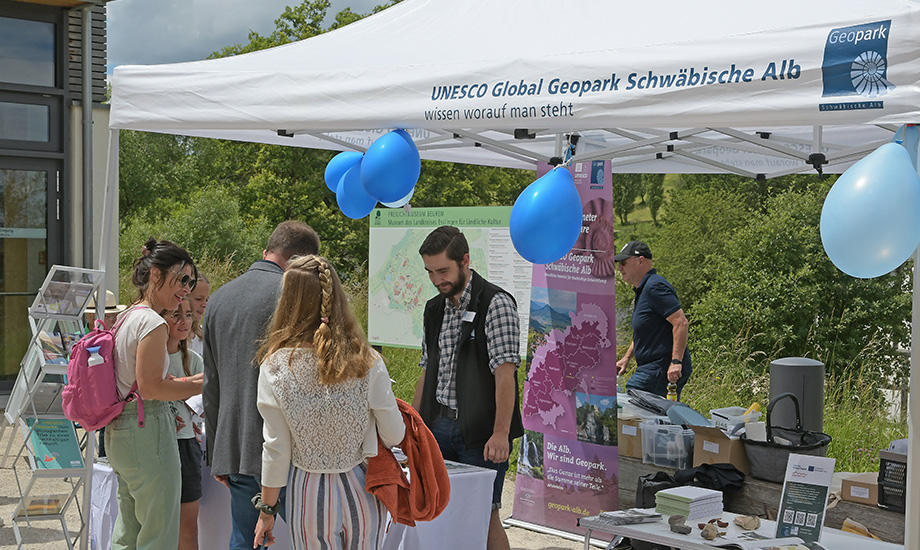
x=25 y=122
x=26 y=52
x=23 y=258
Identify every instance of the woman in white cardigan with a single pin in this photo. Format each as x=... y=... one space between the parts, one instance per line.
x=324 y=396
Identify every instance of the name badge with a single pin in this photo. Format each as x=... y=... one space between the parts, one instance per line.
x=469 y=316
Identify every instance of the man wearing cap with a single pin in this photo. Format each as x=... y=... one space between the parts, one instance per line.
x=658 y=322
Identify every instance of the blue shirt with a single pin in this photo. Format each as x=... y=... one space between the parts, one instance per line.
x=653 y=337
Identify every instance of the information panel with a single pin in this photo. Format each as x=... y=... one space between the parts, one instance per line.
x=398 y=285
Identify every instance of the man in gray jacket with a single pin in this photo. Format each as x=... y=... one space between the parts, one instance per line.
x=235 y=321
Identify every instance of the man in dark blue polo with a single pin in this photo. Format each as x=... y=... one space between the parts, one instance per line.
x=659 y=325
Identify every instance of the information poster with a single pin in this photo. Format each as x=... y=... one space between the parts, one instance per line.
x=567 y=467
x=804 y=500
x=398 y=285
x=54 y=443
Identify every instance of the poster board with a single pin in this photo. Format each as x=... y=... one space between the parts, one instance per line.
x=398 y=286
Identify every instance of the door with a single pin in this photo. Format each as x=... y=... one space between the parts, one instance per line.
x=29 y=244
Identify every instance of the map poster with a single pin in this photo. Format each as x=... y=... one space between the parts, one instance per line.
x=567 y=465
x=398 y=285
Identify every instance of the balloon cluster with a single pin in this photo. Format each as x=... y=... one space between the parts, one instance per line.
x=870 y=222
x=387 y=172
x=546 y=218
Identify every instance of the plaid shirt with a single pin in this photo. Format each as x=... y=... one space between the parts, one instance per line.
x=502 y=330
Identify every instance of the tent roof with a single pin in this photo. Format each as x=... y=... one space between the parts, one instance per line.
x=791 y=66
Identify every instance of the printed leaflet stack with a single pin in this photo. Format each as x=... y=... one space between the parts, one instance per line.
x=691 y=502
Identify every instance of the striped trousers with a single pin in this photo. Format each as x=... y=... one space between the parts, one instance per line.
x=333 y=511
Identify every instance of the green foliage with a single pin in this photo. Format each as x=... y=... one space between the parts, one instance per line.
x=653 y=184
x=626 y=188
x=153 y=172
x=209 y=226
x=690 y=248
x=296 y=23
x=777 y=279
x=854 y=416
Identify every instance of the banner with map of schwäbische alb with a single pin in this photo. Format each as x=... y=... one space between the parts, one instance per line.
x=567 y=466
x=398 y=285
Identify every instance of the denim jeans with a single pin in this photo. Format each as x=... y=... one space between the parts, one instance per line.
x=242 y=512
x=450 y=440
x=653 y=377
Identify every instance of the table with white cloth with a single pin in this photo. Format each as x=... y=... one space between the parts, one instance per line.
x=463 y=524
x=660 y=533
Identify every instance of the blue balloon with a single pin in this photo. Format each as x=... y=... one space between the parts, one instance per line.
x=391 y=167
x=401 y=202
x=338 y=166
x=546 y=218
x=351 y=197
x=870 y=223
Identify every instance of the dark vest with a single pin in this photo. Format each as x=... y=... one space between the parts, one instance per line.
x=475 y=381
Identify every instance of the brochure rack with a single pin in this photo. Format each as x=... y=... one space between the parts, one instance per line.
x=55 y=457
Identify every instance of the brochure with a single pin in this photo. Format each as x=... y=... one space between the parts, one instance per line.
x=804 y=499
x=629 y=517
x=52 y=348
x=44 y=505
x=54 y=443
x=64 y=298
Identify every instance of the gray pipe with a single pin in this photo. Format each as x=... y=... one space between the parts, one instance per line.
x=88 y=138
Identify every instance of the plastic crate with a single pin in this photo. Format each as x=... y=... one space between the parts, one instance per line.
x=892 y=481
x=729 y=417
x=666 y=445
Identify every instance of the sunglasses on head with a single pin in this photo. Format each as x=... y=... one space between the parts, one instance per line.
x=185 y=279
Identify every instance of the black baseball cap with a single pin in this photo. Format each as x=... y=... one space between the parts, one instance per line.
x=633 y=248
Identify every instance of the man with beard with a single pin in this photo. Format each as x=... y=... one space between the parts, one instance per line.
x=468 y=394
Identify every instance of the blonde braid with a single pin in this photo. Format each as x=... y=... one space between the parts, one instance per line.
x=325 y=279
x=324 y=339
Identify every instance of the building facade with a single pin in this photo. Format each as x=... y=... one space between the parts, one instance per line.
x=44 y=203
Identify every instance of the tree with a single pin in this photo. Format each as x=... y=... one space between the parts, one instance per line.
x=777 y=280
x=653 y=184
x=690 y=248
x=626 y=189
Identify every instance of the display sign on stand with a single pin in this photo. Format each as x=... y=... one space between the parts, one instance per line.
x=804 y=501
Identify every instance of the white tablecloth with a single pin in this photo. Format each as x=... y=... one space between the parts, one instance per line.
x=464 y=523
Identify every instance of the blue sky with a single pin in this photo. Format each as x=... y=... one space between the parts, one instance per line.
x=145 y=32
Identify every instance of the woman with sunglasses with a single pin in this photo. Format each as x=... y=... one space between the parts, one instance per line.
x=141 y=442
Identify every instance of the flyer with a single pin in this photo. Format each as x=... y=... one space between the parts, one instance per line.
x=804 y=500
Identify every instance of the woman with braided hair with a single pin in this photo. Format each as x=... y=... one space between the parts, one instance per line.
x=324 y=396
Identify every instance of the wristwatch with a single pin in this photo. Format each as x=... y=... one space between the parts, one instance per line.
x=265 y=508
x=676 y=362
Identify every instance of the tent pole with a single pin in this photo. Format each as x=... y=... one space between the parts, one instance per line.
x=817 y=146
x=111 y=200
x=912 y=492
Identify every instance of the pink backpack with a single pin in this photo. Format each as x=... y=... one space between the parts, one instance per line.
x=90 y=397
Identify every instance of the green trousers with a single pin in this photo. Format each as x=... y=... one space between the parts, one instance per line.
x=146 y=463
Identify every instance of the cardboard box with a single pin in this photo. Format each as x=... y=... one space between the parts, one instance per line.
x=861 y=488
x=712 y=446
x=629 y=438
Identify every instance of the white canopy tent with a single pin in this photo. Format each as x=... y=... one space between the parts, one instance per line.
x=760 y=89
